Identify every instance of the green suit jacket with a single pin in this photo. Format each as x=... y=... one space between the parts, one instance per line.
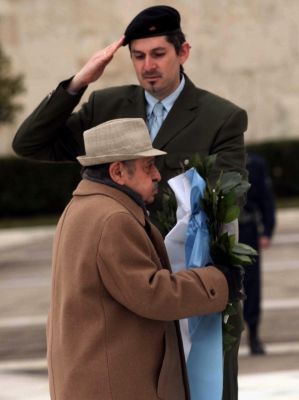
x=199 y=122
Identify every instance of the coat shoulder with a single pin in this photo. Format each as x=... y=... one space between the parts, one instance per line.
x=117 y=102
x=211 y=100
x=116 y=92
x=208 y=100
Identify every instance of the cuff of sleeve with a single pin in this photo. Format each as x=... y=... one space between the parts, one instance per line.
x=65 y=84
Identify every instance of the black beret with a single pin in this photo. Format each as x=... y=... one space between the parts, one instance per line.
x=153 y=21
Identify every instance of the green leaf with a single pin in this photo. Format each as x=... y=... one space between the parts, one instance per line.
x=242 y=248
x=228 y=338
x=228 y=198
x=242 y=188
x=219 y=255
x=203 y=165
x=241 y=260
x=230 y=180
x=225 y=203
x=227 y=242
x=232 y=241
x=231 y=214
x=228 y=341
x=167 y=216
x=210 y=162
x=196 y=161
x=220 y=205
x=230 y=309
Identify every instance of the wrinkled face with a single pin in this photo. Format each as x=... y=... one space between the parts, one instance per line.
x=157 y=65
x=142 y=176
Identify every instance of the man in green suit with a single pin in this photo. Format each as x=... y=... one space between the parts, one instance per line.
x=193 y=120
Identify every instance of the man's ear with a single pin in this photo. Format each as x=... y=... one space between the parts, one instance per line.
x=184 y=52
x=116 y=171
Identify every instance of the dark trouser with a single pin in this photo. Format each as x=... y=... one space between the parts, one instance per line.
x=230 y=373
x=248 y=234
x=252 y=287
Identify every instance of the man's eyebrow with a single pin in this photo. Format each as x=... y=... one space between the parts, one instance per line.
x=136 y=51
x=151 y=161
x=151 y=50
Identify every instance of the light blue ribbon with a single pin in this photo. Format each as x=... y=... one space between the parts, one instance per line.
x=205 y=360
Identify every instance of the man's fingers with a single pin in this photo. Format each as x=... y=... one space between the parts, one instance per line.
x=107 y=53
x=95 y=66
x=120 y=41
x=112 y=48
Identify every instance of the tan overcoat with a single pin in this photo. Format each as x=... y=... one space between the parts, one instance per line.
x=110 y=333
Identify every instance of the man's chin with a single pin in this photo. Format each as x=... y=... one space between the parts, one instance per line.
x=151 y=199
x=151 y=86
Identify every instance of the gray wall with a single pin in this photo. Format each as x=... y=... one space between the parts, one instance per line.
x=244 y=50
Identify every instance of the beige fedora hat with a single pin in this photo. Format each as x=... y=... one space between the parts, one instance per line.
x=117 y=140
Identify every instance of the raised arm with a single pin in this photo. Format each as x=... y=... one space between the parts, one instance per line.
x=53 y=132
x=94 y=67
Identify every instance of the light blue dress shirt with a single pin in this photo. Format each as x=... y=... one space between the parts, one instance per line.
x=168 y=102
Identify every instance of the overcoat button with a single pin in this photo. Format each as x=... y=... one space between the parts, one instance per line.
x=186 y=162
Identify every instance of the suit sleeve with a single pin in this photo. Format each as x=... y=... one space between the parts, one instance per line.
x=53 y=132
x=229 y=144
x=130 y=274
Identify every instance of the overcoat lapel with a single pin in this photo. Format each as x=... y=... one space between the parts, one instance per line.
x=184 y=109
x=158 y=243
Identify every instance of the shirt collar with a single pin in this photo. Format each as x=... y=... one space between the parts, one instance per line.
x=168 y=102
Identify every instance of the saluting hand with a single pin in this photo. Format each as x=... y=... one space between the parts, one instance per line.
x=94 y=67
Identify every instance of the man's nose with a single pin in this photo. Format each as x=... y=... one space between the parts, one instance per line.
x=149 y=63
x=156 y=175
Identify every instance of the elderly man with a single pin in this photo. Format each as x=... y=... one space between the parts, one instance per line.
x=110 y=330
x=182 y=118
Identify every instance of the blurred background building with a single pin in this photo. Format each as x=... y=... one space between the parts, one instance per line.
x=244 y=50
x=247 y=51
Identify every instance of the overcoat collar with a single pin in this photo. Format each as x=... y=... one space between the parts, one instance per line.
x=90 y=188
x=181 y=115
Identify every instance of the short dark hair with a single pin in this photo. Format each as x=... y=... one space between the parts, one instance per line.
x=101 y=172
x=177 y=39
x=96 y=172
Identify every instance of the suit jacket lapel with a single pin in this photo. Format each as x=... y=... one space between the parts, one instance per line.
x=135 y=106
x=181 y=115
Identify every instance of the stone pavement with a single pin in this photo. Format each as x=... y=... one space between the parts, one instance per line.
x=25 y=256
x=267 y=386
x=281 y=385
